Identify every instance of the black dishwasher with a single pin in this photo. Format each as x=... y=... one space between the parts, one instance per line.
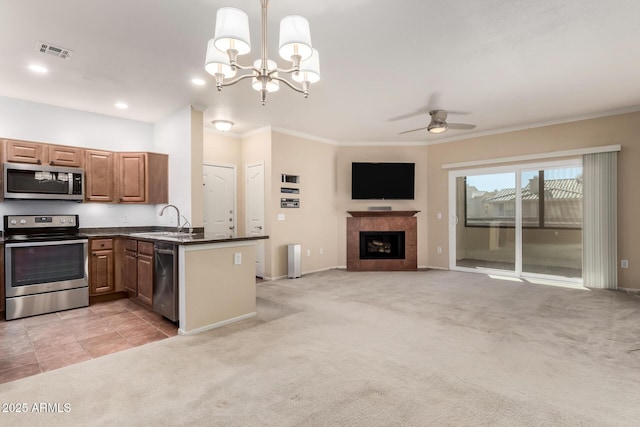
x=165 y=280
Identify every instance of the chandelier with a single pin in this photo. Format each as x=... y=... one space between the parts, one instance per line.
x=232 y=39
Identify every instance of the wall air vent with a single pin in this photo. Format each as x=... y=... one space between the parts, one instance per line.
x=57 y=51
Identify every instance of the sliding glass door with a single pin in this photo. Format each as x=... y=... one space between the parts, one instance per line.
x=520 y=220
x=486 y=216
x=552 y=222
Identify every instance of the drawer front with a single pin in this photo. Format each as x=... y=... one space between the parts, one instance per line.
x=97 y=244
x=145 y=248
x=131 y=245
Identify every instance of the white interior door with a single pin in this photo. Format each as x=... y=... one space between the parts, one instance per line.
x=255 y=211
x=220 y=200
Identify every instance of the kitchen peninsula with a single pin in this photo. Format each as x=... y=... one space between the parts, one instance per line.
x=216 y=277
x=216 y=282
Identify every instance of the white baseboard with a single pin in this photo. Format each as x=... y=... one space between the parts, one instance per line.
x=437 y=268
x=217 y=325
x=630 y=290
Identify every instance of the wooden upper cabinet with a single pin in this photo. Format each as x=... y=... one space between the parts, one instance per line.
x=132 y=177
x=110 y=177
x=99 y=176
x=66 y=156
x=42 y=154
x=143 y=178
x=25 y=152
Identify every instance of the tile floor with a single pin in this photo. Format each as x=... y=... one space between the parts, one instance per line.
x=50 y=341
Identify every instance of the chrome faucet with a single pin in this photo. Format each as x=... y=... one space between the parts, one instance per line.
x=181 y=228
x=177 y=217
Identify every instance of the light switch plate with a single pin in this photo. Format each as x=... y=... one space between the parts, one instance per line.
x=281 y=217
x=237 y=258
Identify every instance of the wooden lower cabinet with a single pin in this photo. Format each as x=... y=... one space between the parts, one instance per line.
x=130 y=267
x=145 y=278
x=102 y=265
x=2 y=295
x=137 y=273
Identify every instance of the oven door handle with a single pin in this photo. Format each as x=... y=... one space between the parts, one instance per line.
x=45 y=243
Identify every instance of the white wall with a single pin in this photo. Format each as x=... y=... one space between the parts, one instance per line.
x=172 y=135
x=54 y=125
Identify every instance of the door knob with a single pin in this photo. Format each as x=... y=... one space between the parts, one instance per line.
x=231 y=228
x=259 y=227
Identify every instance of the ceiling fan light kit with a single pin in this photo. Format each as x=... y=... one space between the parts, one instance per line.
x=232 y=39
x=439 y=123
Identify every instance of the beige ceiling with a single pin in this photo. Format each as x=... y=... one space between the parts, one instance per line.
x=505 y=64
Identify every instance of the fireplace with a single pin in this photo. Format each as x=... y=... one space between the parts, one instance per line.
x=382 y=241
x=382 y=245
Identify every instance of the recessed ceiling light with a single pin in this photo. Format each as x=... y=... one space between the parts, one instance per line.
x=38 y=68
x=198 y=82
x=121 y=105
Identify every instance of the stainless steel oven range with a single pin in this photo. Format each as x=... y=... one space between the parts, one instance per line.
x=45 y=264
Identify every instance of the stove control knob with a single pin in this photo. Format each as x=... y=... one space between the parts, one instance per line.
x=14 y=222
x=23 y=221
x=70 y=220
x=62 y=220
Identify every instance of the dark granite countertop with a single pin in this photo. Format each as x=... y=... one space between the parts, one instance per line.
x=164 y=235
x=153 y=234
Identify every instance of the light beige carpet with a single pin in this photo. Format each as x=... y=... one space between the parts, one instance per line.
x=371 y=349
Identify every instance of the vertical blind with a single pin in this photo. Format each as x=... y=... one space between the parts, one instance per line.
x=600 y=250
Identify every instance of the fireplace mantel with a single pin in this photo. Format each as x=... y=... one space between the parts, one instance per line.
x=381 y=213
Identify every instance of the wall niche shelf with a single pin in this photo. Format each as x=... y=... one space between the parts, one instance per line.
x=291 y=179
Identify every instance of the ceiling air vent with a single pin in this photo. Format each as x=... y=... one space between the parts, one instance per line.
x=57 y=51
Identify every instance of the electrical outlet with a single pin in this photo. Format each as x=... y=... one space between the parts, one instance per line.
x=439 y=215
x=439 y=249
x=321 y=251
x=624 y=263
x=308 y=252
x=237 y=258
x=125 y=219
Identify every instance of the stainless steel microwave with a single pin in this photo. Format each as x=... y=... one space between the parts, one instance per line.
x=42 y=182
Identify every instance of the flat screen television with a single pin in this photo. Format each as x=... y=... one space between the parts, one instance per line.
x=382 y=181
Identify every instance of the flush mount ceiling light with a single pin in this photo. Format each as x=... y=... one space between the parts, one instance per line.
x=121 y=105
x=232 y=39
x=222 y=125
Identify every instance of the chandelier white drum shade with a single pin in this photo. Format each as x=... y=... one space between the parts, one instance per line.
x=295 y=38
x=232 y=39
x=232 y=30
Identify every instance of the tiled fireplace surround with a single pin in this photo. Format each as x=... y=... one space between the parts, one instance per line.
x=382 y=221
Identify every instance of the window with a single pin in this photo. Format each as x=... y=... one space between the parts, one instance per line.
x=551 y=198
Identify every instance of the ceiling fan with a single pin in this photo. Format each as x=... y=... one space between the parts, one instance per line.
x=439 y=123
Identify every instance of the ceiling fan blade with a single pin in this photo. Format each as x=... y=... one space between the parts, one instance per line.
x=413 y=130
x=460 y=126
x=418 y=112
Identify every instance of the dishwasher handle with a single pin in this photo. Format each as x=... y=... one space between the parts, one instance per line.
x=165 y=251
